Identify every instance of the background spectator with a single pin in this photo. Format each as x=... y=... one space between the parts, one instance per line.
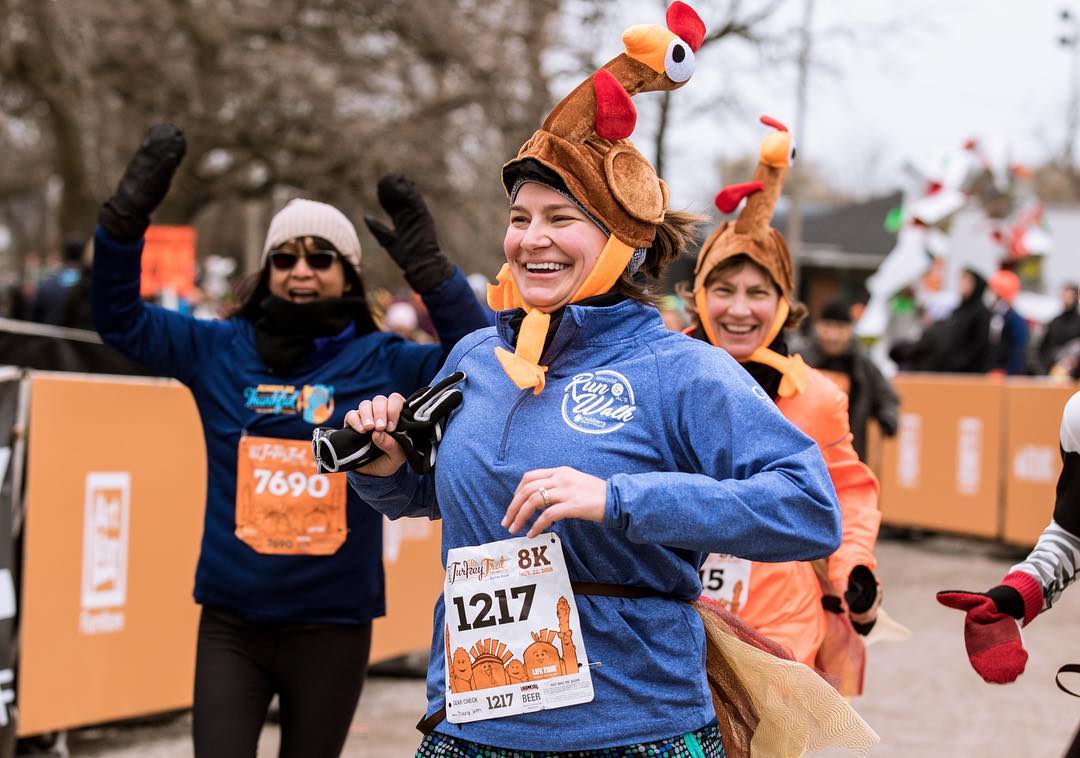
x=870 y=395
x=63 y=297
x=1063 y=329
x=1008 y=330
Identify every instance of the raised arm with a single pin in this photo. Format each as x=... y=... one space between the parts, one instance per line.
x=414 y=246
x=167 y=342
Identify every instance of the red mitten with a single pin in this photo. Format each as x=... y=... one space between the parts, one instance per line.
x=992 y=625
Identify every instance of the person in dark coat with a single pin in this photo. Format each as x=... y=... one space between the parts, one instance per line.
x=1008 y=330
x=54 y=301
x=962 y=344
x=870 y=395
x=1063 y=329
x=289 y=581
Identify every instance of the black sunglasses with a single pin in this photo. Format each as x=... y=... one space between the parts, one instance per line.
x=318 y=260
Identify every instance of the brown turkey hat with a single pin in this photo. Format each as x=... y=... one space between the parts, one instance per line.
x=583 y=144
x=751 y=234
x=584 y=139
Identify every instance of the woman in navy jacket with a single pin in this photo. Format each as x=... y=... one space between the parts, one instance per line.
x=290 y=570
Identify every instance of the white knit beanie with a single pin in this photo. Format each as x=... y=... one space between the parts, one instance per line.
x=309 y=218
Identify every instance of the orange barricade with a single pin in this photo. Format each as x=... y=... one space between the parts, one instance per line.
x=412 y=556
x=112 y=532
x=941 y=470
x=973 y=455
x=115 y=489
x=1032 y=456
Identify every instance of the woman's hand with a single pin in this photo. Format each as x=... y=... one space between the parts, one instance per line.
x=379 y=416
x=412 y=242
x=126 y=214
x=570 y=494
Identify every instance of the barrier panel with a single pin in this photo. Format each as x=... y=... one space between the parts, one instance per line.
x=115 y=492
x=941 y=471
x=115 y=487
x=1032 y=456
x=412 y=559
x=973 y=455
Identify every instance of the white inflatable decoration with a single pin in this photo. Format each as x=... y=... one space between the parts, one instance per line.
x=976 y=175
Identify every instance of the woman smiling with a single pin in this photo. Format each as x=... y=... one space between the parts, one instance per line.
x=742 y=301
x=289 y=578
x=603 y=440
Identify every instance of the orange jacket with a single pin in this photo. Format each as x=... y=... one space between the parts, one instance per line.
x=783 y=600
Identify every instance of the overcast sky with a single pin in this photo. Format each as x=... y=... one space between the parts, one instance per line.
x=908 y=80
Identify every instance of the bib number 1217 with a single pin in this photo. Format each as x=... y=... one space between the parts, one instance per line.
x=485 y=604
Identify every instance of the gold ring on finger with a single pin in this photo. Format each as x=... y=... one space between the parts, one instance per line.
x=544 y=494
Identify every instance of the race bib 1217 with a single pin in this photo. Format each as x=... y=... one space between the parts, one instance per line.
x=513 y=634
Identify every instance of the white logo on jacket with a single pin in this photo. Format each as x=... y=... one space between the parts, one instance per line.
x=598 y=402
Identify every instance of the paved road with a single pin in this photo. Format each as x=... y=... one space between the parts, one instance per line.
x=921 y=697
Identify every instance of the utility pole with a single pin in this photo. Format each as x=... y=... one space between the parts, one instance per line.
x=1070 y=38
x=794 y=224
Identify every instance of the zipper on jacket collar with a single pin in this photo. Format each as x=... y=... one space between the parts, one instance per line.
x=555 y=349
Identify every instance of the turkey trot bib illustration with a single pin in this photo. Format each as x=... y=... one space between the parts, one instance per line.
x=726 y=579
x=513 y=634
x=282 y=506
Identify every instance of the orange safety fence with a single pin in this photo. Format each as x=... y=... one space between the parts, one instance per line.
x=973 y=455
x=111 y=538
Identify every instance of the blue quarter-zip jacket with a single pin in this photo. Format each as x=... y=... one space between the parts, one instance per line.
x=697 y=460
x=217 y=360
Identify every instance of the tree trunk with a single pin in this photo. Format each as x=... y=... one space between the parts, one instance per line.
x=661 y=131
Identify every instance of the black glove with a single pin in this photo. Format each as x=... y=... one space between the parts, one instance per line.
x=419 y=431
x=412 y=242
x=863 y=598
x=126 y=214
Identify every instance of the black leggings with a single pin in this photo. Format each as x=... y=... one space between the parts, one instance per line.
x=316 y=670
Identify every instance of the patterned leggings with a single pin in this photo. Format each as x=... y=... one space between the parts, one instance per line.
x=704 y=743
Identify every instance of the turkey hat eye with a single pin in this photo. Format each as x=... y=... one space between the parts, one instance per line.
x=792 y=152
x=679 y=61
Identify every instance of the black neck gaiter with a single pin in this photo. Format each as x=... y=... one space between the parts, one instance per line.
x=285 y=332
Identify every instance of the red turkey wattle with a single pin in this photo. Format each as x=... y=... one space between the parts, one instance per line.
x=615 y=112
x=728 y=199
x=770 y=121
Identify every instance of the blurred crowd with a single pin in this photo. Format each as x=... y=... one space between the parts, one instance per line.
x=977 y=330
x=56 y=292
x=973 y=330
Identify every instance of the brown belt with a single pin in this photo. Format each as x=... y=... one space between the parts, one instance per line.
x=427 y=724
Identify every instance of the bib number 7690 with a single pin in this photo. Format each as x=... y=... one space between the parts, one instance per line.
x=294 y=483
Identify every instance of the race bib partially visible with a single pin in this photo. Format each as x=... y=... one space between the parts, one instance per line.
x=513 y=634
x=726 y=579
x=282 y=506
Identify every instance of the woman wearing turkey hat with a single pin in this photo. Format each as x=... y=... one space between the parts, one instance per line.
x=606 y=442
x=741 y=301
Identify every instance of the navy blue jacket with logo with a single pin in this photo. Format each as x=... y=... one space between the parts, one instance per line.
x=218 y=362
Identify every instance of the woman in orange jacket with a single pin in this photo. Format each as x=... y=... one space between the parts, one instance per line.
x=742 y=300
